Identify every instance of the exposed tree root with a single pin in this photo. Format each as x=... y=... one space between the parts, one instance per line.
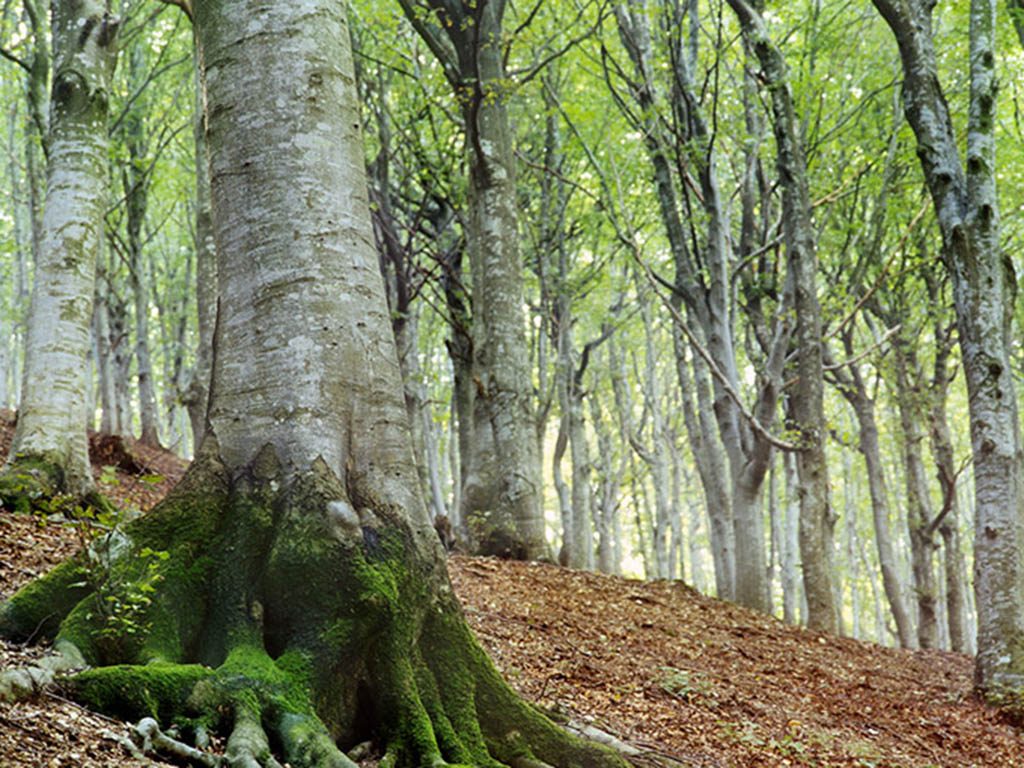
x=26 y=682
x=300 y=622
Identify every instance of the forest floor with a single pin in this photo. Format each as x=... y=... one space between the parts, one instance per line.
x=660 y=666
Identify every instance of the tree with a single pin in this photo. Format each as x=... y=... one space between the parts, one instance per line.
x=964 y=197
x=805 y=404
x=501 y=481
x=302 y=599
x=49 y=454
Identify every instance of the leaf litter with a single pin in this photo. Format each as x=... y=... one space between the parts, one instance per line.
x=657 y=665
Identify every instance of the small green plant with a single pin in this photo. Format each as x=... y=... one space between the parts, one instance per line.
x=124 y=592
x=108 y=476
x=684 y=684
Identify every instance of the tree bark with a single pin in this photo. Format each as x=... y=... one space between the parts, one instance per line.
x=806 y=407
x=854 y=389
x=964 y=196
x=303 y=602
x=949 y=525
x=919 y=510
x=135 y=182
x=198 y=394
x=501 y=479
x=50 y=448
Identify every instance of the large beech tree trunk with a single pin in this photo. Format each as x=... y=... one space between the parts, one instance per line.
x=50 y=451
x=984 y=286
x=304 y=601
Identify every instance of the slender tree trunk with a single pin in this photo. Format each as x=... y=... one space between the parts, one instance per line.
x=50 y=435
x=791 y=592
x=947 y=520
x=853 y=387
x=198 y=394
x=501 y=470
x=606 y=502
x=852 y=543
x=104 y=356
x=806 y=406
x=38 y=128
x=919 y=512
x=710 y=461
x=656 y=454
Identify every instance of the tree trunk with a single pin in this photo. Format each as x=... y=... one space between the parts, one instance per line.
x=303 y=602
x=791 y=592
x=606 y=502
x=50 y=452
x=710 y=461
x=964 y=196
x=501 y=492
x=919 y=512
x=104 y=355
x=198 y=394
x=853 y=387
x=942 y=452
x=806 y=406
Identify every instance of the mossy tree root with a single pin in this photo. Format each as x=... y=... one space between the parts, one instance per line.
x=38 y=485
x=301 y=620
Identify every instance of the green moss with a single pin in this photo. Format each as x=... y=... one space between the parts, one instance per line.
x=156 y=690
x=315 y=627
x=32 y=484
x=37 y=609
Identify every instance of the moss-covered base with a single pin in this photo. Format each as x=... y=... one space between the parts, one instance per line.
x=38 y=485
x=301 y=619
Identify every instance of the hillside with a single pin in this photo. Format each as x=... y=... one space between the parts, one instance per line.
x=656 y=664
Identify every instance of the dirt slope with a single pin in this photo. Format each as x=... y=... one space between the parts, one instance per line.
x=657 y=664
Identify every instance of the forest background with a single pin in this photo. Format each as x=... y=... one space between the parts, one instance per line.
x=658 y=303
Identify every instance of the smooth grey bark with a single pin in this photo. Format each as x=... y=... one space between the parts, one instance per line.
x=852 y=543
x=103 y=353
x=638 y=490
x=909 y=401
x=609 y=471
x=655 y=453
x=37 y=88
x=792 y=594
x=197 y=395
x=52 y=412
x=852 y=386
x=947 y=520
x=501 y=479
x=302 y=291
x=710 y=461
x=570 y=365
x=964 y=196
x=135 y=182
x=400 y=271
x=806 y=408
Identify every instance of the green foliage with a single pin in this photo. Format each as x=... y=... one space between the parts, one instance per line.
x=684 y=684
x=123 y=598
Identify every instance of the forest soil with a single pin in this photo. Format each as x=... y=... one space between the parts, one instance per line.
x=658 y=665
